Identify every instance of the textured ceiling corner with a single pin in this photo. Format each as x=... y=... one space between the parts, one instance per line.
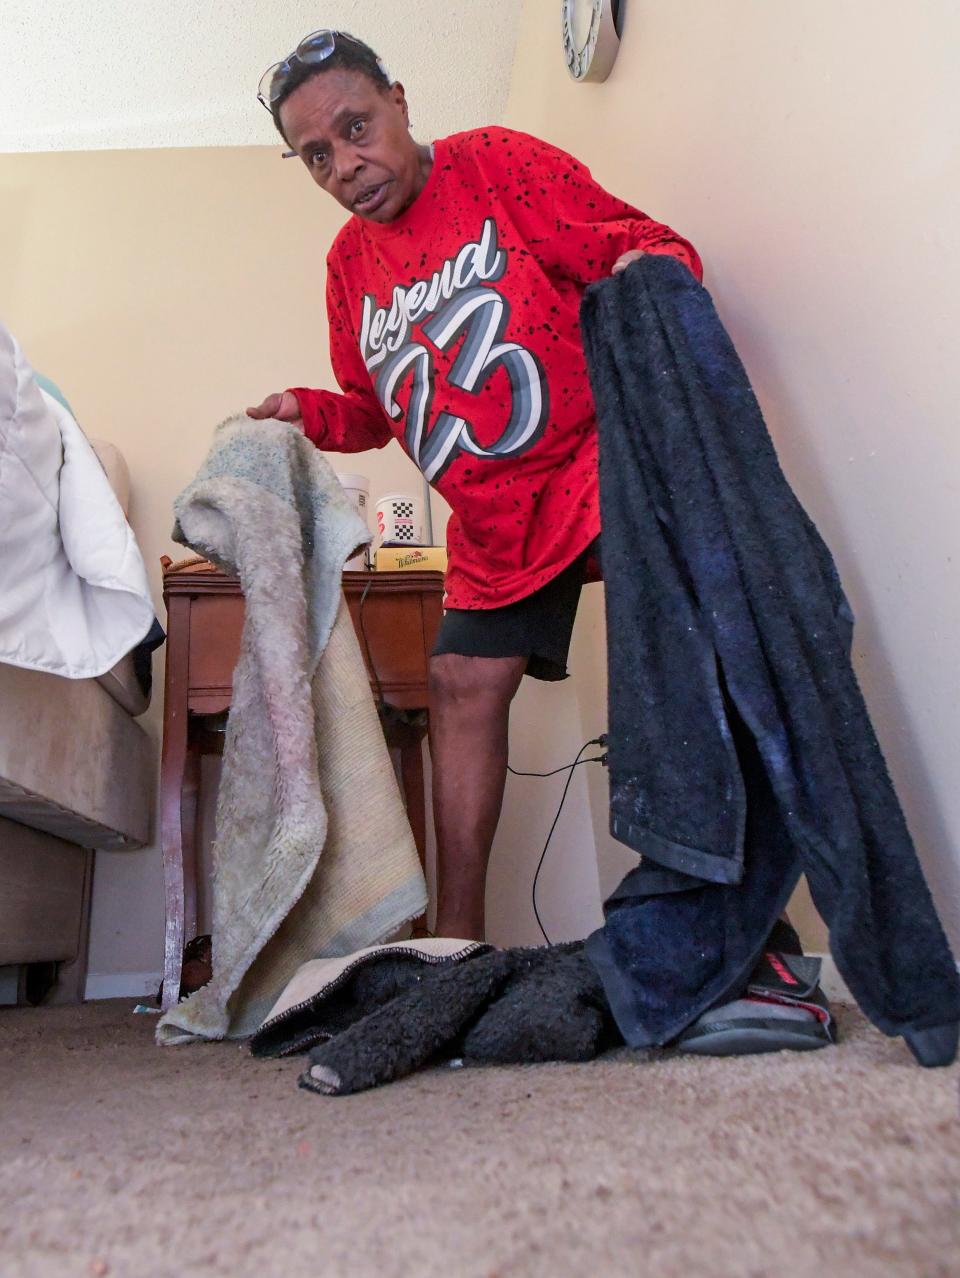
x=107 y=74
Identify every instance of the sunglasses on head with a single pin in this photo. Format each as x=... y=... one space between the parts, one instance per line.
x=312 y=49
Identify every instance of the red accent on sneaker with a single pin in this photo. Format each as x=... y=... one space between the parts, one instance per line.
x=822 y=1015
x=780 y=968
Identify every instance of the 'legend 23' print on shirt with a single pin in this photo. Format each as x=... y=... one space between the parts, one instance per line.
x=460 y=301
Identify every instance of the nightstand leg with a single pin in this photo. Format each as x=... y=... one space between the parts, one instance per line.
x=411 y=773
x=189 y=818
x=173 y=770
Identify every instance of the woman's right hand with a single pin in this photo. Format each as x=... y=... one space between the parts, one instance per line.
x=282 y=406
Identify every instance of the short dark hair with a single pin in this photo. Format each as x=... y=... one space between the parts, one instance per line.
x=349 y=54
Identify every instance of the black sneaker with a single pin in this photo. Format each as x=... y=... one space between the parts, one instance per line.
x=783 y=1009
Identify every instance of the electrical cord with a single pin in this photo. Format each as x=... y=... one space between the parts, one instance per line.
x=366 y=646
x=600 y=758
x=570 y=768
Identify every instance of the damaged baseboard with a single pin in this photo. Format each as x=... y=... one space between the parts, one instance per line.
x=833 y=983
x=99 y=985
x=102 y=985
x=834 y=986
x=145 y=984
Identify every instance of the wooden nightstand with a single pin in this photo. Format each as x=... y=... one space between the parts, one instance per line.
x=400 y=615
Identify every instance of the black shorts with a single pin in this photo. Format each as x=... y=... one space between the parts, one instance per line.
x=537 y=627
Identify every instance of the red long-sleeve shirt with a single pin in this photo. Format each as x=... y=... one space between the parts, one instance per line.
x=455 y=328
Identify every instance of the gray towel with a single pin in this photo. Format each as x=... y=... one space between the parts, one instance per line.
x=313 y=856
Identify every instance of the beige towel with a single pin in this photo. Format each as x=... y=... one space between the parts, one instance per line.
x=313 y=856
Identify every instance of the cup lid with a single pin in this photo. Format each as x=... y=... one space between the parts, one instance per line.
x=397 y=497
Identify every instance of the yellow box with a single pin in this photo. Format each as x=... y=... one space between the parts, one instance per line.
x=411 y=558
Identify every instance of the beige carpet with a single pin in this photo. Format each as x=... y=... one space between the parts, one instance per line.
x=122 y=1159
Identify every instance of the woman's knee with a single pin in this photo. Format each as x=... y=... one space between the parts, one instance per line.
x=462 y=681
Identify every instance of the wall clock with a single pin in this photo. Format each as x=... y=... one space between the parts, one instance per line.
x=591 y=36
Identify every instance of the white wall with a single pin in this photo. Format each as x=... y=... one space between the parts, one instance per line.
x=812 y=153
x=84 y=74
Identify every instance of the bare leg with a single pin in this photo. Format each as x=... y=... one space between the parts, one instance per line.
x=469 y=713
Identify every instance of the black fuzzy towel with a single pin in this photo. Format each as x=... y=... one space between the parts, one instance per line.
x=740 y=747
x=394 y=1008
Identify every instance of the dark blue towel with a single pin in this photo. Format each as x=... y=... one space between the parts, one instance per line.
x=740 y=746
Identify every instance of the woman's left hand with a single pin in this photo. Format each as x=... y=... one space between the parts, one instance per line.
x=624 y=260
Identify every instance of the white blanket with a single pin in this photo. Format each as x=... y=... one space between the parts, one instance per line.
x=74 y=597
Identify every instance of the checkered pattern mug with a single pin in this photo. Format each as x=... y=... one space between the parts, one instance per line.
x=400 y=520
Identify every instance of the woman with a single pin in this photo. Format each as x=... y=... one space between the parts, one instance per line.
x=453 y=296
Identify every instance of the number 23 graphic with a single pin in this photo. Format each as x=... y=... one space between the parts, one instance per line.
x=481 y=313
